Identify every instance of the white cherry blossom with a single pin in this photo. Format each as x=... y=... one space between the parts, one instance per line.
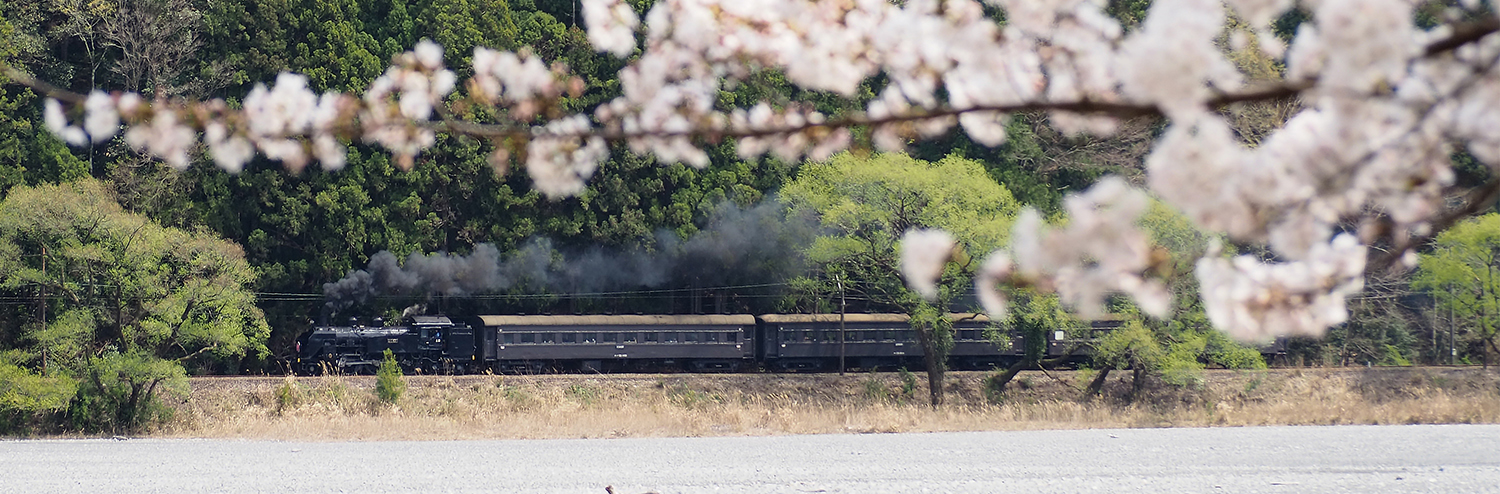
x=1256 y=301
x=611 y=25
x=923 y=254
x=102 y=119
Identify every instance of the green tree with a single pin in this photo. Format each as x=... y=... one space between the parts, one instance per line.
x=866 y=205
x=1462 y=273
x=121 y=392
x=118 y=303
x=111 y=279
x=26 y=396
x=1177 y=349
x=1176 y=352
x=1032 y=317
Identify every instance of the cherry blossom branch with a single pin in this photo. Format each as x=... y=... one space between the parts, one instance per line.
x=1464 y=34
x=1476 y=201
x=40 y=86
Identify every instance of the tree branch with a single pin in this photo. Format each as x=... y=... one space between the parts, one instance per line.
x=1464 y=34
x=40 y=86
x=1478 y=199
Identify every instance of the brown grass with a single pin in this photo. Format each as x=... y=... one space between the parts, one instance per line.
x=501 y=407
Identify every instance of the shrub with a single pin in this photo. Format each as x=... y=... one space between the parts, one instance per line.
x=288 y=395
x=389 y=386
x=908 y=384
x=994 y=388
x=27 y=397
x=875 y=390
x=583 y=394
x=120 y=392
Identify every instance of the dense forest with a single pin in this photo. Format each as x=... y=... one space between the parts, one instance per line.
x=239 y=264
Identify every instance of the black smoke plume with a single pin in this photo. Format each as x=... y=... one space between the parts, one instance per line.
x=737 y=246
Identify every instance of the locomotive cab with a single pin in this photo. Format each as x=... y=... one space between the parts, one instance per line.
x=314 y=348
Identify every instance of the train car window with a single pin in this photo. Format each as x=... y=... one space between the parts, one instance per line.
x=889 y=336
x=669 y=337
x=711 y=337
x=590 y=337
x=528 y=337
x=627 y=337
x=607 y=337
x=690 y=337
x=908 y=335
x=650 y=337
x=969 y=334
x=510 y=338
x=569 y=337
x=424 y=334
x=549 y=338
x=732 y=337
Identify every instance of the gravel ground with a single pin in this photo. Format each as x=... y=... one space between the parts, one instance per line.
x=1455 y=458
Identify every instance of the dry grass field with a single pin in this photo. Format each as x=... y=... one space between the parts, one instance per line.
x=582 y=406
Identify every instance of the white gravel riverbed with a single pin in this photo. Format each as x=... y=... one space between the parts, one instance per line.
x=1445 y=458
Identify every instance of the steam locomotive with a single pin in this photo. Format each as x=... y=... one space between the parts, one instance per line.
x=661 y=343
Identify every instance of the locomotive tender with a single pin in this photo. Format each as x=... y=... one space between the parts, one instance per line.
x=647 y=343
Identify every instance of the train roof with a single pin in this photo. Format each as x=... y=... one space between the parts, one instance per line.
x=862 y=317
x=795 y=318
x=429 y=321
x=624 y=320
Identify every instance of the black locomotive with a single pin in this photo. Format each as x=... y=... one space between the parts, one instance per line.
x=652 y=343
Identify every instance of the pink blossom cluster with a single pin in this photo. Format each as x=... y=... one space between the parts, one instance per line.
x=1255 y=301
x=923 y=254
x=403 y=97
x=273 y=118
x=612 y=25
x=561 y=156
x=516 y=80
x=1098 y=252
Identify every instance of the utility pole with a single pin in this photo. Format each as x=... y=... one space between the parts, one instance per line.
x=1452 y=350
x=843 y=305
x=42 y=305
x=1433 y=317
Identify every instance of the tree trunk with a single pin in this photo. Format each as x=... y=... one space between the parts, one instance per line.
x=1004 y=378
x=935 y=383
x=1137 y=380
x=1097 y=385
x=937 y=365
